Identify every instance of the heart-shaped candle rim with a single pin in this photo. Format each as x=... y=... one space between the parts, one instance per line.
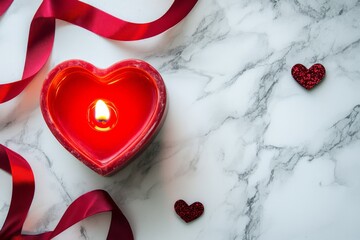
x=138 y=144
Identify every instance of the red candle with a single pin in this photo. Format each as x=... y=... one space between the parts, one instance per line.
x=104 y=117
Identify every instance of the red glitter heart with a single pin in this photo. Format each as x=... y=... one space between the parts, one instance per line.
x=188 y=213
x=308 y=78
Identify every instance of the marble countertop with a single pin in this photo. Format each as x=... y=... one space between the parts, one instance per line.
x=268 y=159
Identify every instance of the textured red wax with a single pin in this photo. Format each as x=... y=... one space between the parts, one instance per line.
x=188 y=213
x=308 y=78
x=133 y=87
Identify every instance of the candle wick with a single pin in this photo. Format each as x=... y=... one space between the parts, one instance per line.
x=102 y=120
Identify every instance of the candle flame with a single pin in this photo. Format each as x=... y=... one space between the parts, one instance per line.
x=102 y=112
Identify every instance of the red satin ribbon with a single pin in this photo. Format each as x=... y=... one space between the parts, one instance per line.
x=89 y=204
x=4 y=5
x=42 y=31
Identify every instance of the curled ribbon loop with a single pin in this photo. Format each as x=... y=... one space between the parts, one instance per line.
x=42 y=32
x=89 y=204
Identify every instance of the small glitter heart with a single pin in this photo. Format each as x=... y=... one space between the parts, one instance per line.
x=308 y=78
x=188 y=213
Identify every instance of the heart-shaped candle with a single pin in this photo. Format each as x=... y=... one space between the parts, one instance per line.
x=104 y=117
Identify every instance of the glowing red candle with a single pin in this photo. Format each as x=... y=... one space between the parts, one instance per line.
x=104 y=117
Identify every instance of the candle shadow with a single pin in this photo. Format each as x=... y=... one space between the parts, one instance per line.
x=137 y=179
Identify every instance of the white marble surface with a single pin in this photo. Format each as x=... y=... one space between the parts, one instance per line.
x=268 y=159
